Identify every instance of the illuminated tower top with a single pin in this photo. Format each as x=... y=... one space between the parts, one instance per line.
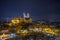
x=26 y=15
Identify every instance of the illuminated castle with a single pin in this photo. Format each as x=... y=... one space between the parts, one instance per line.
x=26 y=18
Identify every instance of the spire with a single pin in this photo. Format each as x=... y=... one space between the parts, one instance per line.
x=24 y=15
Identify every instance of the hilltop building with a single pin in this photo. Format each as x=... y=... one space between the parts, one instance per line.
x=26 y=19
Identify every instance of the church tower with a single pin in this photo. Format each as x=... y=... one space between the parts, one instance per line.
x=27 y=18
x=26 y=15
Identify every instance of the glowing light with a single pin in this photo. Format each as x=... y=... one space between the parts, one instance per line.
x=48 y=30
x=4 y=36
x=12 y=35
x=24 y=32
x=15 y=21
x=10 y=24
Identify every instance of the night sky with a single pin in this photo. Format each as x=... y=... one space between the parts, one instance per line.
x=38 y=9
